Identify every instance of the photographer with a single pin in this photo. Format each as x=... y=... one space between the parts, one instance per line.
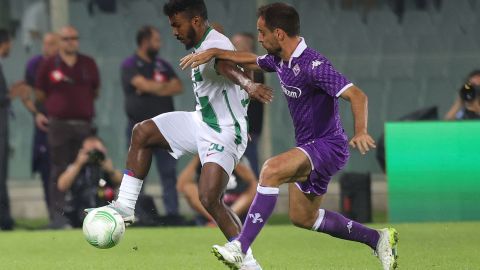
x=89 y=181
x=467 y=103
x=470 y=96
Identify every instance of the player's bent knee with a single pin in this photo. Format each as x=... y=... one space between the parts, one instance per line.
x=270 y=174
x=140 y=133
x=208 y=201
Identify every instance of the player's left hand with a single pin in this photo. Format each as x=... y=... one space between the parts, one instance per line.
x=363 y=141
x=194 y=60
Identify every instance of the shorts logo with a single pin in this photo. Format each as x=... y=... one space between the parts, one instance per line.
x=215 y=147
x=256 y=218
x=349 y=226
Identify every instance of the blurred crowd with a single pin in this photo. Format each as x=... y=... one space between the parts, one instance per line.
x=60 y=88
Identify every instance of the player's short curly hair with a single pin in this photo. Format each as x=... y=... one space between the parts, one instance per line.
x=190 y=7
x=282 y=16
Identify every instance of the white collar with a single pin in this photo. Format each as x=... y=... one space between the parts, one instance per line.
x=298 y=51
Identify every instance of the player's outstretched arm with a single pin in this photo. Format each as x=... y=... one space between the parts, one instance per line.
x=359 y=102
x=244 y=59
x=257 y=91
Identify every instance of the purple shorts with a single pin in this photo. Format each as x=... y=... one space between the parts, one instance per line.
x=327 y=156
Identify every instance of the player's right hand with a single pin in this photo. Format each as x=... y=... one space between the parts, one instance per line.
x=260 y=92
x=194 y=60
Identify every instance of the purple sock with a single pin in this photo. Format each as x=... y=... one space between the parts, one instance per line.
x=260 y=210
x=336 y=225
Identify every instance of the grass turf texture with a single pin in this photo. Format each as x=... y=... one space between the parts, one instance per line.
x=422 y=246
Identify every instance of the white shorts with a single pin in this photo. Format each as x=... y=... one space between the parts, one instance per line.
x=186 y=133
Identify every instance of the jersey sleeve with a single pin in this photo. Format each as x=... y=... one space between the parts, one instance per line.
x=127 y=72
x=327 y=78
x=266 y=62
x=30 y=73
x=42 y=77
x=95 y=75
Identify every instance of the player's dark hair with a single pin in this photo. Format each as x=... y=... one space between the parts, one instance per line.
x=145 y=33
x=191 y=7
x=282 y=16
x=4 y=36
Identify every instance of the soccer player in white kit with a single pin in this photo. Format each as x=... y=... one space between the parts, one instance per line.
x=216 y=130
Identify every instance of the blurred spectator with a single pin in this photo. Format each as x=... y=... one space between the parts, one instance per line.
x=34 y=23
x=106 y=6
x=239 y=194
x=67 y=84
x=461 y=107
x=366 y=6
x=6 y=221
x=398 y=6
x=149 y=83
x=40 y=156
x=245 y=42
x=89 y=181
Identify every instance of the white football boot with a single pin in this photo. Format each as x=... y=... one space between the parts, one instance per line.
x=249 y=262
x=127 y=214
x=387 y=248
x=230 y=254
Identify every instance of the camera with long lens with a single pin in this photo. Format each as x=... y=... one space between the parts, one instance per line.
x=95 y=156
x=468 y=92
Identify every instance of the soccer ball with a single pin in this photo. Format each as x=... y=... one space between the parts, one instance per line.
x=103 y=227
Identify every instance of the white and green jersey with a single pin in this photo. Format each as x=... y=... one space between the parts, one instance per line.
x=221 y=103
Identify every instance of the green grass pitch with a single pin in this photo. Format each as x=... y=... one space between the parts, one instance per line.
x=422 y=246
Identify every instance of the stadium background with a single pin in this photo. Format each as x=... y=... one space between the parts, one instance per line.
x=402 y=67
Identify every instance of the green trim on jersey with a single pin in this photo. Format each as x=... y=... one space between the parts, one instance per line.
x=197 y=75
x=245 y=102
x=238 y=134
x=203 y=38
x=208 y=114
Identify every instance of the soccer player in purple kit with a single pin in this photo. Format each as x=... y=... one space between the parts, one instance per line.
x=312 y=87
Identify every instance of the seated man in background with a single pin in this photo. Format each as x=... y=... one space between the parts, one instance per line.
x=89 y=181
x=239 y=194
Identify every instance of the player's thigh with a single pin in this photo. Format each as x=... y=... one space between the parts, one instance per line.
x=303 y=207
x=179 y=130
x=147 y=133
x=290 y=166
x=212 y=183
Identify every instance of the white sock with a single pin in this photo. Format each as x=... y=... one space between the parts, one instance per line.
x=318 y=222
x=129 y=190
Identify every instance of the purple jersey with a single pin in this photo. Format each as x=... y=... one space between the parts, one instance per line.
x=312 y=87
x=32 y=68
